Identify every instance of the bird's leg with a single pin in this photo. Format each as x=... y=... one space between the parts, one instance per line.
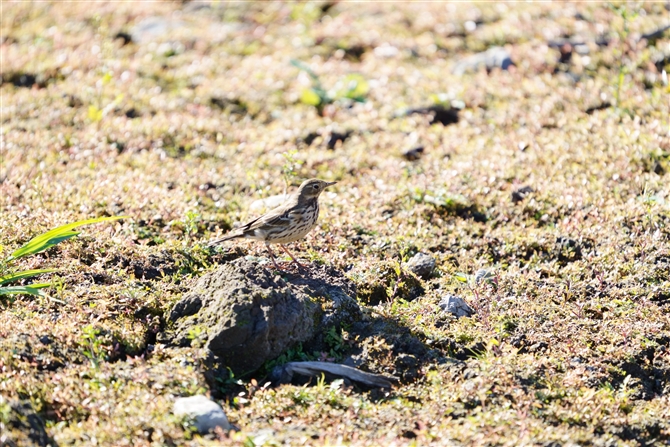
x=272 y=256
x=289 y=253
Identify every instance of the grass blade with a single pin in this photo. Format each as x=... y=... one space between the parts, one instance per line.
x=299 y=65
x=33 y=289
x=25 y=274
x=55 y=236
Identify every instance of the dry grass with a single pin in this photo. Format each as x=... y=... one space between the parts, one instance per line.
x=184 y=133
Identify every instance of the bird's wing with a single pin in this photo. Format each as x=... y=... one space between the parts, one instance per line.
x=279 y=217
x=282 y=216
x=263 y=223
x=288 y=214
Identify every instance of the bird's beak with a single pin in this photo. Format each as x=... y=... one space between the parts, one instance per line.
x=330 y=184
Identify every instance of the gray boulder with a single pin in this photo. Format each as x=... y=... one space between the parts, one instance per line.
x=206 y=414
x=456 y=306
x=422 y=265
x=243 y=314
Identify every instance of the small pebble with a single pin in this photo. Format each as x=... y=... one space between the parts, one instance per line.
x=413 y=154
x=456 y=306
x=422 y=265
x=521 y=193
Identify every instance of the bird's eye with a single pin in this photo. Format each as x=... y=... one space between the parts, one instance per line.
x=315 y=186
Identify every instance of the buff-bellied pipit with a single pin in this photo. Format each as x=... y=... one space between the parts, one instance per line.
x=286 y=223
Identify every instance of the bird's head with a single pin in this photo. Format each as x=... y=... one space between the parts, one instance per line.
x=312 y=188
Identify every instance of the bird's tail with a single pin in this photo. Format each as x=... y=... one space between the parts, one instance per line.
x=228 y=237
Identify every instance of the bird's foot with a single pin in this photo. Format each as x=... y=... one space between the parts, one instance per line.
x=299 y=265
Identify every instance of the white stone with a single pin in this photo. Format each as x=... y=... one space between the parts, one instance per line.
x=206 y=414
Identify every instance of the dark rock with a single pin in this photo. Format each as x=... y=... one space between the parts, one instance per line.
x=27 y=80
x=23 y=427
x=495 y=57
x=422 y=265
x=126 y=38
x=601 y=106
x=456 y=306
x=309 y=139
x=413 y=154
x=521 y=193
x=132 y=113
x=439 y=113
x=478 y=216
x=409 y=434
x=336 y=137
x=23 y=80
x=244 y=314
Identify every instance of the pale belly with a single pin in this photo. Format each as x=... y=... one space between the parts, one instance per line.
x=299 y=233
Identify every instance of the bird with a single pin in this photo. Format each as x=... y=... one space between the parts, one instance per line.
x=287 y=223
